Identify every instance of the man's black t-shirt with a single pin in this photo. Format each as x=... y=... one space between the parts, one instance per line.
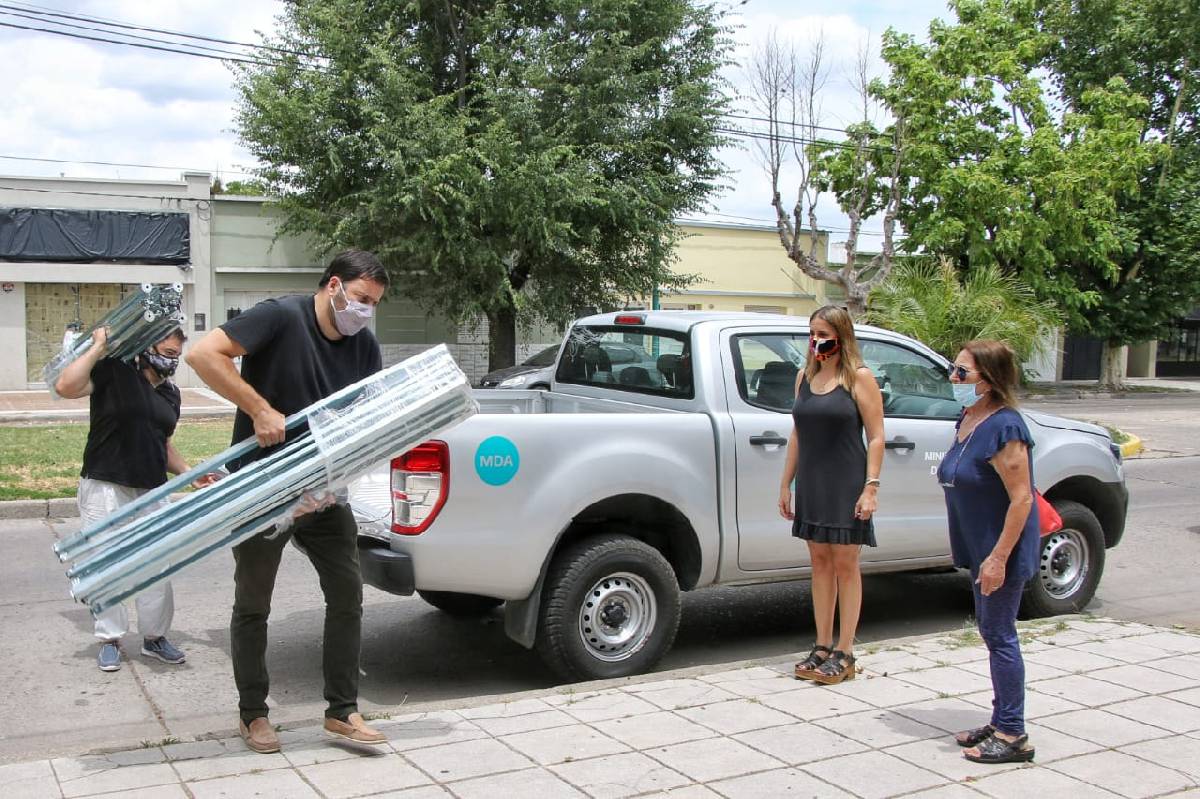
x=290 y=362
x=131 y=421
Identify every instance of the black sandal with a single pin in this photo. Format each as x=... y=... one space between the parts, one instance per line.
x=806 y=667
x=838 y=667
x=975 y=736
x=994 y=749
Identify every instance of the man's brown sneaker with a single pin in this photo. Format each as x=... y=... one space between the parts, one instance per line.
x=354 y=729
x=260 y=736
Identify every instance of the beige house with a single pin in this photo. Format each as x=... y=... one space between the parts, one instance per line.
x=743 y=268
x=235 y=258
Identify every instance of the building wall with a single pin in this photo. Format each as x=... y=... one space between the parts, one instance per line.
x=40 y=309
x=743 y=267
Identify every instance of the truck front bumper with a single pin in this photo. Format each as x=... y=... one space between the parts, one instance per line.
x=384 y=569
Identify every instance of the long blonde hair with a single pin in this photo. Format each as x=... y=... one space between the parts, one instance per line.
x=851 y=358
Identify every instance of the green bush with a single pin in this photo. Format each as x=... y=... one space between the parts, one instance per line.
x=933 y=303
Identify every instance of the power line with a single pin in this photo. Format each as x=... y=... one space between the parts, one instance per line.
x=167 y=197
x=109 y=22
x=119 y=163
x=135 y=44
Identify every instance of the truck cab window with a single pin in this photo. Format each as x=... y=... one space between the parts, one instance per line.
x=639 y=360
x=912 y=384
x=766 y=365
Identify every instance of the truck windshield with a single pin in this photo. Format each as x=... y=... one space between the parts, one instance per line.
x=633 y=359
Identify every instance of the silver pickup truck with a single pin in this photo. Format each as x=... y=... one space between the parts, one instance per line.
x=588 y=508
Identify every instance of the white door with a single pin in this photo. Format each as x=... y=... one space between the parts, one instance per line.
x=764 y=366
x=919 y=414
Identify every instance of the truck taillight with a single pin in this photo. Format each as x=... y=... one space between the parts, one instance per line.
x=420 y=483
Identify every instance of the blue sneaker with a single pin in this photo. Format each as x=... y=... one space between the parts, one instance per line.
x=109 y=658
x=162 y=649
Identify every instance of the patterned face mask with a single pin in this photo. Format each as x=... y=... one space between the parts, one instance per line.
x=163 y=366
x=823 y=348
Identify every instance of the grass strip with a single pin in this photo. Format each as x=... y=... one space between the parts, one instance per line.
x=42 y=460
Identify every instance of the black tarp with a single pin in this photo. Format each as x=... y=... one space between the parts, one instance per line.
x=83 y=236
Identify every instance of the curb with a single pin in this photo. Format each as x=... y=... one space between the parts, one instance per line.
x=57 y=508
x=1132 y=447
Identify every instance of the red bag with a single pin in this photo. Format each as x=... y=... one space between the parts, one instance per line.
x=1048 y=519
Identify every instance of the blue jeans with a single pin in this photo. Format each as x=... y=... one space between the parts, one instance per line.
x=997 y=619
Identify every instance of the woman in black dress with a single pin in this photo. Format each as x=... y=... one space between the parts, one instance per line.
x=836 y=476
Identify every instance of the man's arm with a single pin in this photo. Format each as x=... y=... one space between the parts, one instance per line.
x=212 y=359
x=75 y=381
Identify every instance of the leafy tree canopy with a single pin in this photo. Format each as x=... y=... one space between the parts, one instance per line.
x=998 y=175
x=519 y=159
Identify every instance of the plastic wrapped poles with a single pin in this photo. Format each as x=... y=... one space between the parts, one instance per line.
x=373 y=420
x=142 y=320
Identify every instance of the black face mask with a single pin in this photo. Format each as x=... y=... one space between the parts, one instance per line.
x=163 y=366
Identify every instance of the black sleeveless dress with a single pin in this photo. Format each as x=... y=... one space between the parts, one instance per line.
x=831 y=468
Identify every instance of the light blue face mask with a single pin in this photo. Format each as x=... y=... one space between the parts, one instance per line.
x=964 y=394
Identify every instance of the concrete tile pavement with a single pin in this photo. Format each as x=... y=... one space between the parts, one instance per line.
x=1105 y=719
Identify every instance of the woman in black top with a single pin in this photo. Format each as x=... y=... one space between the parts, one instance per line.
x=133 y=410
x=836 y=477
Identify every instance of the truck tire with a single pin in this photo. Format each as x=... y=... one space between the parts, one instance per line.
x=1070 y=564
x=610 y=609
x=464 y=605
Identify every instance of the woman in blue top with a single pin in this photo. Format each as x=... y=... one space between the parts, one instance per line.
x=988 y=481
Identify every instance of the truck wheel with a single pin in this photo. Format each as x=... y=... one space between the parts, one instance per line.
x=456 y=604
x=610 y=609
x=1069 y=567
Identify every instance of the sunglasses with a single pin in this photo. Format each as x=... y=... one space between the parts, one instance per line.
x=961 y=372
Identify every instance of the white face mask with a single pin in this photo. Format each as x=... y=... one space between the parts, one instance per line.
x=354 y=317
x=965 y=393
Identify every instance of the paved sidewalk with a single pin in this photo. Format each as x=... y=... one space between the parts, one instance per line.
x=40 y=406
x=1114 y=710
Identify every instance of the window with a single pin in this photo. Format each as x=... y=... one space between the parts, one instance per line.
x=778 y=309
x=912 y=384
x=628 y=359
x=765 y=367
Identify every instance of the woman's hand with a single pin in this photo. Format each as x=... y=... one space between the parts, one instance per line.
x=867 y=504
x=991 y=575
x=785 y=504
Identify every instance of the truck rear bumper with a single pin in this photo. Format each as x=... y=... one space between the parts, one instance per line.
x=384 y=569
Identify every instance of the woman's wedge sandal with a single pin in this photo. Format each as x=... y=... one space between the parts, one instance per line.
x=806 y=667
x=837 y=668
x=972 y=737
x=995 y=749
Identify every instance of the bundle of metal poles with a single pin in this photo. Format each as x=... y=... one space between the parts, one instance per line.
x=142 y=319
x=339 y=438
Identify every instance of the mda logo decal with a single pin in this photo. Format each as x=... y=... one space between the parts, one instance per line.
x=497 y=460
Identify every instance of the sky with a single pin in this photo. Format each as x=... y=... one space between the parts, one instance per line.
x=73 y=101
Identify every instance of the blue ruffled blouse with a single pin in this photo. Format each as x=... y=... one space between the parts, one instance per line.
x=977 y=502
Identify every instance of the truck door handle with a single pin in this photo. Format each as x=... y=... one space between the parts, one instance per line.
x=768 y=439
x=898 y=444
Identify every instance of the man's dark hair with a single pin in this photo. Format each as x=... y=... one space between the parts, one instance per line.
x=176 y=333
x=350 y=265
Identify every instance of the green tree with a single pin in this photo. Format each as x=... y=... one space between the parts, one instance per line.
x=248 y=188
x=999 y=174
x=936 y=304
x=519 y=160
x=1154 y=46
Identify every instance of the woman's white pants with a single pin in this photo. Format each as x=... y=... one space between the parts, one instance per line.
x=155 y=605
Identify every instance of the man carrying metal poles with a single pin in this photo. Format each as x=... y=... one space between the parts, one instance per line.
x=295 y=351
x=134 y=408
